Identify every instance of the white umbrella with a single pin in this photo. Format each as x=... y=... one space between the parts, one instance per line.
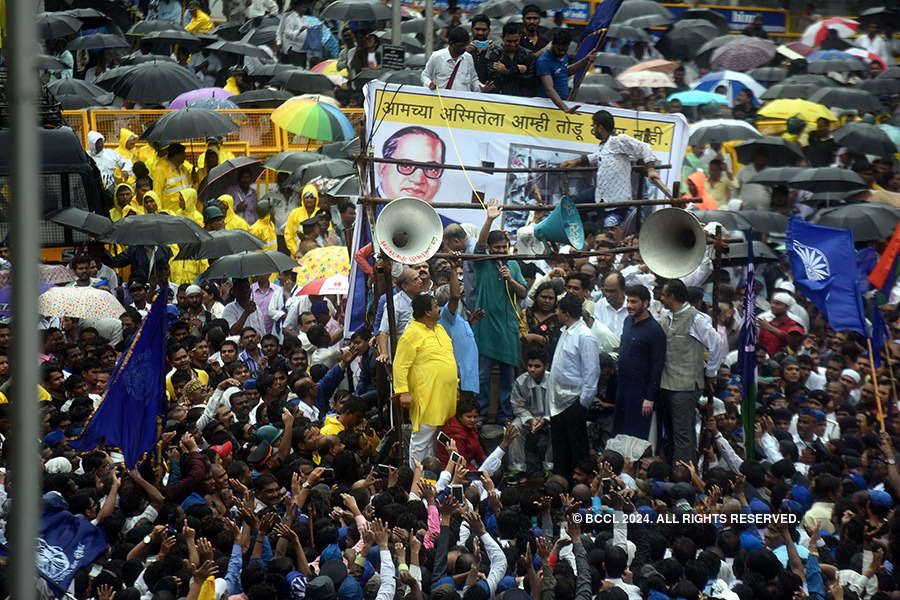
x=733 y=81
x=80 y=302
x=651 y=79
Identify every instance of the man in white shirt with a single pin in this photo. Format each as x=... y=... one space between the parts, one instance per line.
x=452 y=68
x=242 y=311
x=874 y=43
x=573 y=385
x=610 y=310
x=410 y=284
x=107 y=160
x=690 y=335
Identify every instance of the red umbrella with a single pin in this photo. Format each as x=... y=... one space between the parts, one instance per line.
x=333 y=284
x=815 y=33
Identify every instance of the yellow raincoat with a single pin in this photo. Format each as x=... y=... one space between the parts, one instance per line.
x=117 y=212
x=222 y=153
x=200 y=24
x=168 y=181
x=231 y=86
x=232 y=221
x=264 y=229
x=190 y=210
x=122 y=149
x=155 y=197
x=296 y=217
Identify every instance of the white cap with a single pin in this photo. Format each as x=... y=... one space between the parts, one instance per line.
x=785 y=286
x=60 y=464
x=783 y=297
x=851 y=374
x=192 y=289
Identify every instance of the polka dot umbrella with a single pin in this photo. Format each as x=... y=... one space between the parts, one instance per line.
x=323 y=262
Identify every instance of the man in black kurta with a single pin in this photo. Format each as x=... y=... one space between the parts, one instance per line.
x=642 y=355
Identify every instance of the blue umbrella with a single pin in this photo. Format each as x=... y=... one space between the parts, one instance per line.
x=697 y=98
x=213 y=103
x=826 y=54
x=6 y=294
x=733 y=82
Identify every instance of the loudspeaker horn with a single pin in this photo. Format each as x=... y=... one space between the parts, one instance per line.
x=562 y=225
x=409 y=230
x=672 y=242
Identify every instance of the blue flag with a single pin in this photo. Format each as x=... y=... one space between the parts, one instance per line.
x=878 y=331
x=66 y=544
x=603 y=16
x=130 y=413
x=746 y=364
x=823 y=262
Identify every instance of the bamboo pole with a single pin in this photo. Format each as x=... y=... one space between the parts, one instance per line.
x=879 y=409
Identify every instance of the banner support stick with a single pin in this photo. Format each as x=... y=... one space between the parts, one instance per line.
x=879 y=409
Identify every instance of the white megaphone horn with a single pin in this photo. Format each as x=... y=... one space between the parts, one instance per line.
x=409 y=231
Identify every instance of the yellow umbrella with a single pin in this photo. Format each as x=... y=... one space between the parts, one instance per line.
x=323 y=262
x=785 y=108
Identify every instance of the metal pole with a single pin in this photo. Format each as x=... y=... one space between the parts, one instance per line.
x=25 y=184
x=396 y=17
x=429 y=28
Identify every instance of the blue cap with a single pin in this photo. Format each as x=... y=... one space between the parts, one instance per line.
x=296 y=584
x=759 y=507
x=750 y=541
x=802 y=495
x=792 y=506
x=858 y=479
x=350 y=589
x=648 y=512
x=191 y=500
x=54 y=437
x=507 y=583
x=880 y=498
x=250 y=384
x=331 y=552
x=612 y=220
x=735 y=380
x=318 y=307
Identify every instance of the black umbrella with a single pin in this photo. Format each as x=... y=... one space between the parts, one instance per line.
x=848 y=98
x=647 y=21
x=257 y=23
x=174 y=36
x=87 y=15
x=827 y=179
x=155 y=229
x=330 y=168
x=863 y=138
x=263 y=35
x=684 y=38
x=890 y=73
x=781 y=153
x=111 y=77
x=602 y=79
x=356 y=10
x=766 y=220
x=289 y=161
x=498 y=8
x=838 y=65
x=415 y=60
x=139 y=59
x=156 y=82
x=54 y=25
x=188 y=124
x=82 y=220
x=551 y=5
x=620 y=31
x=45 y=61
x=81 y=89
x=717 y=42
x=348 y=186
x=221 y=243
x=407 y=40
x=729 y=219
x=266 y=73
x=789 y=90
x=721 y=130
x=142 y=28
x=880 y=87
x=707 y=14
x=631 y=9
x=418 y=26
x=820 y=80
x=619 y=61
x=341 y=149
x=868 y=221
x=229 y=30
x=239 y=48
x=223 y=176
x=406 y=77
x=73 y=102
x=776 y=175
x=301 y=81
x=768 y=74
x=262 y=98
x=97 y=41
x=249 y=264
x=599 y=94
x=737 y=254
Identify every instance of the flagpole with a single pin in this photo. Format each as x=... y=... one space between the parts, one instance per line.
x=890 y=362
x=880 y=413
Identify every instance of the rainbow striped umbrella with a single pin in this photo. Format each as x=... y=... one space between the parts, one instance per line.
x=329 y=67
x=309 y=118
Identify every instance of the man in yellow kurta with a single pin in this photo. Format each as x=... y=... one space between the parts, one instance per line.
x=425 y=376
x=170 y=176
x=200 y=21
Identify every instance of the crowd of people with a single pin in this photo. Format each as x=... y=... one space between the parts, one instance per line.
x=571 y=427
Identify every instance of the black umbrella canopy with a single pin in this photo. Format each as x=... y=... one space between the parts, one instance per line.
x=82 y=220
x=238 y=48
x=707 y=14
x=849 y=98
x=648 y=20
x=349 y=186
x=789 y=90
x=827 y=179
x=407 y=77
x=768 y=74
x=327 y=167
x=230 y=30
x=156 y=82
x=602 y=79
x=341 y=149
x=98 y=41
x=868 y=221
x=780 y=152
x=737 y=254
x=863 y=138
x=80 y=88
x=301 y=81
x=619 y=61
x=551 y=5
x=729 y=219
x=766 y=220
x=407 y=40
x=704 y=52
x=418 y=26
x=621 y=31
x=415 y=60
x=776 y=175
x=249 y=264
x=599 y=94
x=222 y=243
x=890 y=73
x=111 y=77
x=223 y=176
x=264 y=35
x=54 y=25
x=73 y=102
x=684 y=38
x=838 y=65
x=188 y=124
x=498 y=8
x=722 y=130
x=174 y=36
x=356 y=10
x=880 y=87
x=289 y=161
x=138 y=59
x=266 y=73
x=45 y=61
x=155 y=229
x=142 y=28
x=820 y=80
x=642 y=8
x=262 y=98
